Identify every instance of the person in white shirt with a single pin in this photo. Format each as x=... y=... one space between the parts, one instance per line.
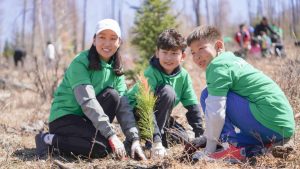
x=50 y=53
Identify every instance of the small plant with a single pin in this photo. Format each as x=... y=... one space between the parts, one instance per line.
x=45 y=78
x=145 y=106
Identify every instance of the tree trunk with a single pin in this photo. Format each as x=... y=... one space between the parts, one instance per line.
x=196 y=7
x=294 y=22
x=298 y=12
x=271 y=10
x=283 y=16
x=259 y=9
x=54 y=20
x=215 y=12
x=113 y=9
x=33 y=27
x=74 y=22
x=249 y=11
x=84 y=25
x=23 y=24
x=41 y=27
x=120 y=14
x=207 y=12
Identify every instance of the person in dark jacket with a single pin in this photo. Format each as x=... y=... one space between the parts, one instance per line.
x=19 y=56
x=263 y=27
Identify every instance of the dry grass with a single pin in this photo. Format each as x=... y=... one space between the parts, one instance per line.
x=23 y=113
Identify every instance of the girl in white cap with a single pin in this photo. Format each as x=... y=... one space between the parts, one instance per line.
x=87 y=101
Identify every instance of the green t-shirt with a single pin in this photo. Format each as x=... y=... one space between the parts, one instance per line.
x=181 y=83
x=64 y=101
x=268 y=103
x=278 y=30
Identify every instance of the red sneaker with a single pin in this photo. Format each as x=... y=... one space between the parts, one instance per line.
x=230 y=153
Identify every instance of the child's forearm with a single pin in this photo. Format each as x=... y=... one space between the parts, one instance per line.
x=85 y=96
x=126 y=119
x=214 y=120
x=194 y=119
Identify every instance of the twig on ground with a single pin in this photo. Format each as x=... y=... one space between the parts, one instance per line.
x=61 y=165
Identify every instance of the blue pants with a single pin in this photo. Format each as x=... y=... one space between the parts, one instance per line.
x=238 y=114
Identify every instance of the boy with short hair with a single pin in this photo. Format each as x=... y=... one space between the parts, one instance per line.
x=171 y=84
x=237 y=95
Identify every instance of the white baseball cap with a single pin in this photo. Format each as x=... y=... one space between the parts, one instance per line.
x=108 y=24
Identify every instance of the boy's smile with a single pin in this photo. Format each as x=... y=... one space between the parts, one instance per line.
x=203 y=53
x=170 y=59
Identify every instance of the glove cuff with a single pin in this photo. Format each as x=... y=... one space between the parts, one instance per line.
x=157 y=145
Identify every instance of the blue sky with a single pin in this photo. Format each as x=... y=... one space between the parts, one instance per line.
x=100 y=9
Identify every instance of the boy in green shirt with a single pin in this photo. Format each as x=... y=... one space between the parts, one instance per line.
x=237 y=95
x=172 y=84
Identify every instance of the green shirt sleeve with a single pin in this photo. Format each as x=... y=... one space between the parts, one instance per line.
x=150 y=75
x=218 y=79
x=131 y=94
x=189 y=97
x=120 y=85
x=78 y=74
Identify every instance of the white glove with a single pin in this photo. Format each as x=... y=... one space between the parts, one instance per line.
x=199 y=141
x=158 y=150
x=117 y=146
x=136 y=149
x=199 y=155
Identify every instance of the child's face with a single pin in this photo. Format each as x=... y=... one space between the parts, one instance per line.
x=203 y=53
x=107 y=42
x=170 y=59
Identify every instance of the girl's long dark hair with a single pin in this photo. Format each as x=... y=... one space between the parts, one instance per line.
x=94 y=60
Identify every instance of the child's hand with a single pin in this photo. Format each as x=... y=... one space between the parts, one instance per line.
x=158 y=150
x=199 y=141
x=117 y=146
x=195 y=144
x=201 y=155
x=136 y=149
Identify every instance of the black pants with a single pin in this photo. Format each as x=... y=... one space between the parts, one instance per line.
x=75 y=134
x=164 y=121
x=163 y=107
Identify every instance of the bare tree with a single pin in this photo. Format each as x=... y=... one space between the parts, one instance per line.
x=207 y=12
x=23 y=22
x=74 y=22
x=120 y=11
x=196 y=8
x=54 y=18
x=297 y=13
x=215 y=12
x=249 y=7
x=283 y=15
x=84 y=24
x=1 y=43
x=59 y=19
x=33 y=27
x=280 y=12
x=220 y=14
x=48 y=20
x=259 y=12
x=41 y=26
x=294 y=18
x=65 y=15
x=298 y=7
x=112 y=9
x=271 y=9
